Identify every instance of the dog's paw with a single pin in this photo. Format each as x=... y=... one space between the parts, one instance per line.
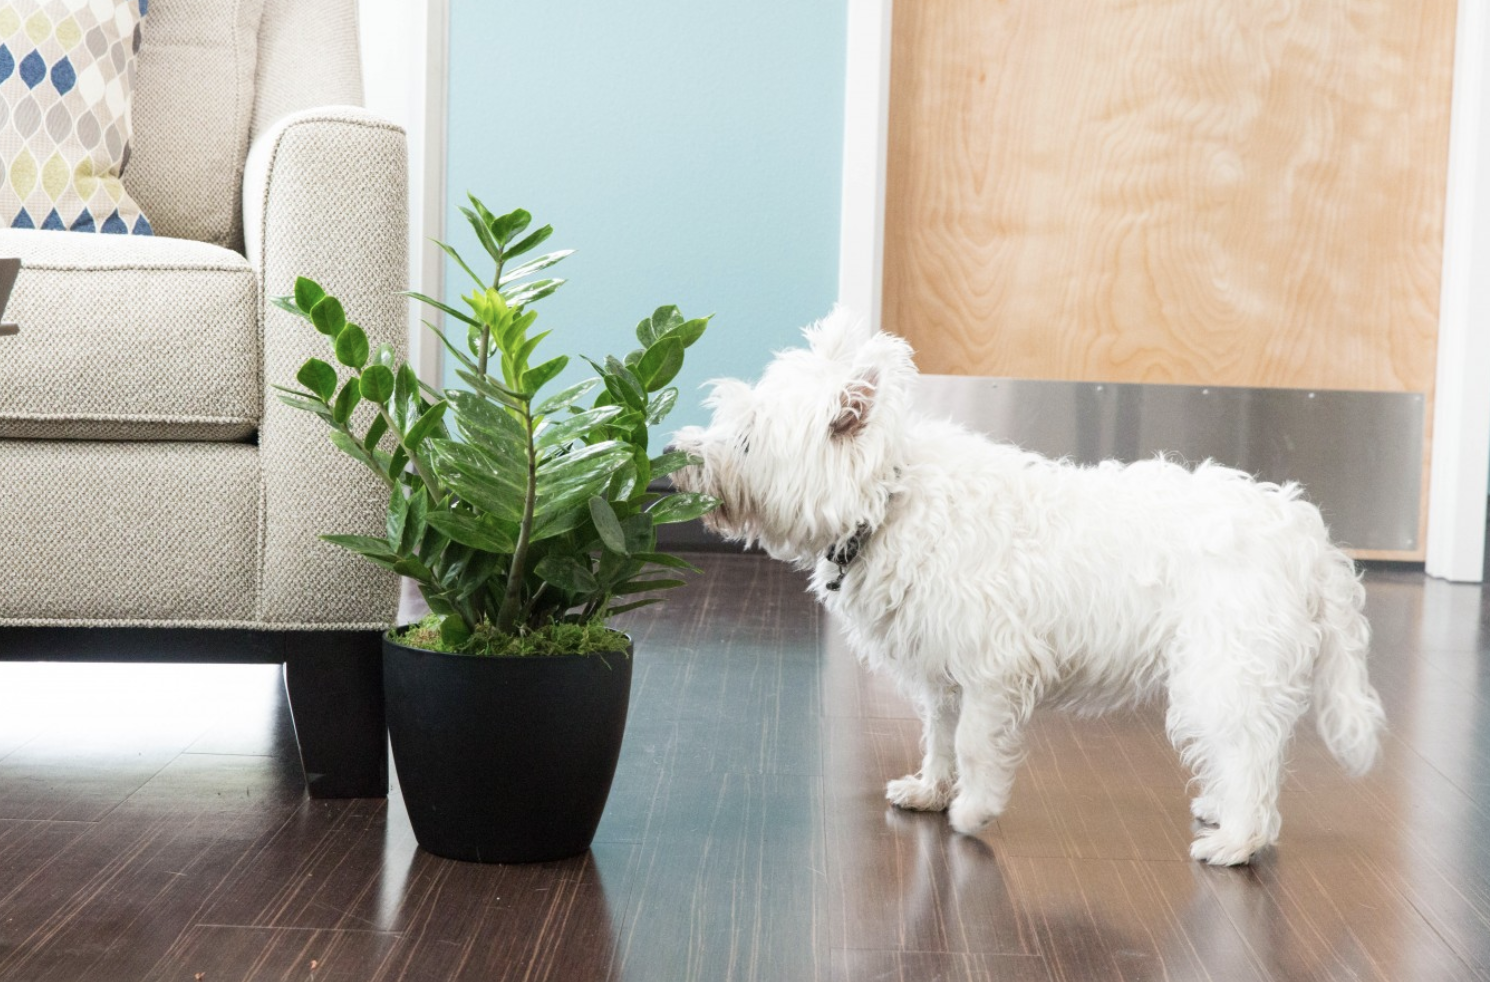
x=970 y=815
x=1218 y=848
x=1205 y=811
x=914 y=794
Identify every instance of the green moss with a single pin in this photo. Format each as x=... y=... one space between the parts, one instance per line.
x=593 y=638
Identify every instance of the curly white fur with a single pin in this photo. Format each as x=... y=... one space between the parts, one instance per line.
x=995 y=580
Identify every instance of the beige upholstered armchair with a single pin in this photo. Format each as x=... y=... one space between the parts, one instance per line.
x=155 y=502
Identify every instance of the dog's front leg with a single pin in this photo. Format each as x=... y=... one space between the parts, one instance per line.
x=990 y=745
x=931 y=789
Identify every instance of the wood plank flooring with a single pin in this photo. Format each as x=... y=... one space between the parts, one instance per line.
x=153 y=827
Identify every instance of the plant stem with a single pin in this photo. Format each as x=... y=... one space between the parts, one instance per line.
x=512 y=602
x=496 y=282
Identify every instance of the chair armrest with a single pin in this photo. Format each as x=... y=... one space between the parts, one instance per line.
x=325 y=196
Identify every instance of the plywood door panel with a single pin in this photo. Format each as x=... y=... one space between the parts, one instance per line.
x=1213 y=192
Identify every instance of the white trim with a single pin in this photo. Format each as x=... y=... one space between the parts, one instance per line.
x=866 y=126
x=1461 y=415
x=404 y=70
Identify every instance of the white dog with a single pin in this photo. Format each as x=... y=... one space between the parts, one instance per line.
x=987 y=580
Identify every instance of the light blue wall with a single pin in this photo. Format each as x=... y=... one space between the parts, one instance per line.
x=690 y=150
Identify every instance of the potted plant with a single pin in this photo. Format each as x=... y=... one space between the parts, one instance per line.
x=527 y=521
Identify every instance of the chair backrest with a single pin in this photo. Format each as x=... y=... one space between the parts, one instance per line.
x=213 y=74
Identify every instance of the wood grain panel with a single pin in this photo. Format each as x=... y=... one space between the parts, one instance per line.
x=1214 y=192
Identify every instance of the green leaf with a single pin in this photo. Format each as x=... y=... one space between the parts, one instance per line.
x=482 y=421
x=483 y=233
x=430 y=418
x=663 y=559
x=566 y=398
x=405 y=403
x=671 y=462
x=351 y=347
x=318 y=377
x=689 y=331
x=365 y=545
x=663 y=319
x=454 y=632
x=477 y=531
x=526 y=293
x=398 y=509
x=585 y=463
x=309 y=404
x=288 y=304
x=577 y=425
x=646 y=586
x=480 y=479
x=348 y=445
x=308 y=293
x=346 y=401
x=660 y=364
x=461 y=262
x=533 y=265
x=660 y=405
x=377 y=384
x=682 y=506
x=607 y=525
x=385 y=356
x=328 y=316
x=622 y=608
x=622 y=384
x=536 y=378
x=510 y=224
x=532 y=241
x=459 y=315
x=568 y=574
x=376 y=430
x=415 y=523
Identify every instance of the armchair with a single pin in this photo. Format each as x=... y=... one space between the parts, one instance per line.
x=157 y=504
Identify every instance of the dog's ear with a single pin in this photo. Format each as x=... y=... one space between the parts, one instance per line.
x=855 y=404
x=839 y=336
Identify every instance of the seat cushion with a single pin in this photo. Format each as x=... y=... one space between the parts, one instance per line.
x=129 y=338
x=129 y=533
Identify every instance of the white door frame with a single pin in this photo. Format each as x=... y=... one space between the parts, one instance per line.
x=406 y=73
x=1461 y=419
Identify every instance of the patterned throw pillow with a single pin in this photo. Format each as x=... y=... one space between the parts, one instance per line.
x=66 y=73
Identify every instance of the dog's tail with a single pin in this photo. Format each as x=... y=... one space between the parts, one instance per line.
x=1348 y=711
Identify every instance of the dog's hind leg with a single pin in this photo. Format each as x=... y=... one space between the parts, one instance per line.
x=1234 y=728
x=990 y=745
x=931 y=789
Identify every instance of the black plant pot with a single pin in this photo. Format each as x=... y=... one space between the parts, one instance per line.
x=505 y=760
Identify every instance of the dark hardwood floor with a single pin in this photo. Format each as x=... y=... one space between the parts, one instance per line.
x=153 y=826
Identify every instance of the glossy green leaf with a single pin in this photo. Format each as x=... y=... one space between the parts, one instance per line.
x=454 y=631
x=531 y=242
x=483 y=234
x=660 y=405
x=526 y=293
x=349 y=446
x=534 y=265
x=615 y=609
x=365 y=545
x=670 y=562
x=405 y=404
x=351 y=347
x=663 y=319
x=308 y=293
x=646 y=586
x=536 y=378
x=607 y=525
x=346 y=401
x=439 y=305
x=461 y=262
x=672 y=462
x=318 y=377
x=328 y=317
x=660 y=364
x=377 y=384
x=288 y=305
x=576 y=426
x=506 y=226
x=425 y=425
x=398 y=508
x=682 y=506
x=375 y=430
x=414 y=521
x=477 y=531
x=479 y=478
x=566 y=398
x=568 y=574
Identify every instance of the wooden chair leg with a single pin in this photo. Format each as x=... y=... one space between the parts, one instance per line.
x=334 y=680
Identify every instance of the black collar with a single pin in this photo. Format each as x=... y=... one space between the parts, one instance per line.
x=841 y=556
